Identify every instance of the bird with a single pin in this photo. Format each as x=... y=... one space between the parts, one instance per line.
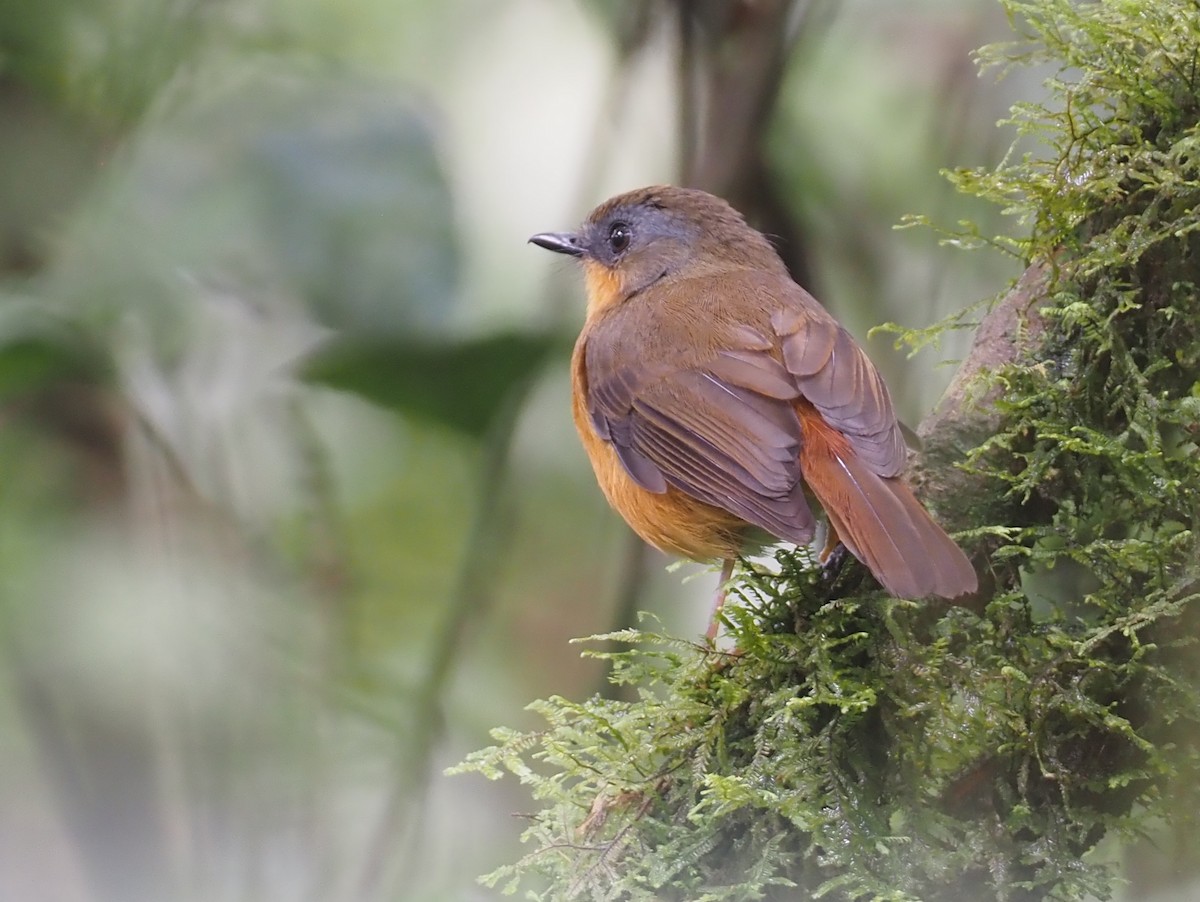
x=714 y=397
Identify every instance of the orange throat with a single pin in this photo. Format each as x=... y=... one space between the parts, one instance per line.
x=605 y=287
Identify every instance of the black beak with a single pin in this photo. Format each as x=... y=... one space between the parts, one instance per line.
x=559 y=242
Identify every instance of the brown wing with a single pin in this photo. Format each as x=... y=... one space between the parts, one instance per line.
x=724 y=433
x=835 y=375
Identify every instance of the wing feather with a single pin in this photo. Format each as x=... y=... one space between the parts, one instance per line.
x=837 y=377
x=724 y=432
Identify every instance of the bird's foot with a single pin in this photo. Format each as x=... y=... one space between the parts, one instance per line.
x=832 y=563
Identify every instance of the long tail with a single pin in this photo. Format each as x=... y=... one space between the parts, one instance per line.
x=881 y=522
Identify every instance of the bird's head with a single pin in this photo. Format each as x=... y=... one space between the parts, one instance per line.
x=634 y=240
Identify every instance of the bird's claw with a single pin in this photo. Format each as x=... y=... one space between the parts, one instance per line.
x=831 y=566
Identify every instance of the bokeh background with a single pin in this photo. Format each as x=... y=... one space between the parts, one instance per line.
x=291 y=508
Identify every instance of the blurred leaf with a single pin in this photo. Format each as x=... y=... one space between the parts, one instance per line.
x=460 y=385
x=34 y=41
x=47 y=162
x=105 y=60
x=321 y=196
x=358 y=208
x=36 y=350
x=629 y=24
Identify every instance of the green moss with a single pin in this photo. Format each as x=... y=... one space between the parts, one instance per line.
x=858 y=746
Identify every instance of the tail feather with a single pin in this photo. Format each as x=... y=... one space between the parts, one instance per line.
x=881 y=522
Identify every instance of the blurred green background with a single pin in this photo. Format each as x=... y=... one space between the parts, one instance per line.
x=291 y=507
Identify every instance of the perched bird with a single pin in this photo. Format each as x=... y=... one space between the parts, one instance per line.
x=712 y=393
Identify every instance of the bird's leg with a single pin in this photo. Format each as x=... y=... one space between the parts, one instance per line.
x=831 y=544
x=719 y=598
x=832 y=556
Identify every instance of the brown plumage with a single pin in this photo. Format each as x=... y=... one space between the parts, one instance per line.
x=710 y=391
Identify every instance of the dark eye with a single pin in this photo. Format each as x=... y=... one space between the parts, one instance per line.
x=619 y=235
